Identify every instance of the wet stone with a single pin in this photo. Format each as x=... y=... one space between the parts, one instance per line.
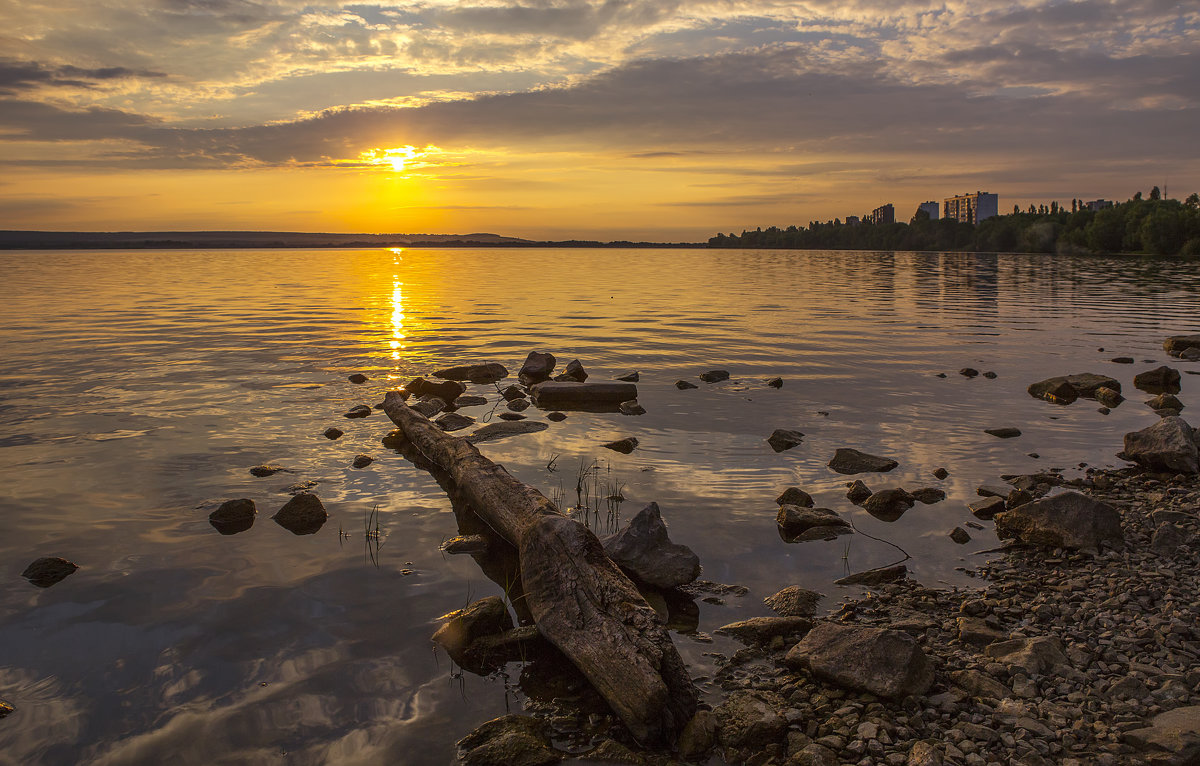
x=1003 y=433
x=940 y=473
x=357 y=411
x=775 y=382
x=851 y=461
x=632 y=377
x=960 y=536
x=794 y=601
x=518 y=405
x=511 y=416
x=266 y=470
x=784 y=439
x=631 y=407
x=714 y=376
x=233 y=516
x=683 y=385
x=49 y=570
x=464 y=544
x=858 y=493
x=452 y=421
x=304 y=514
x=795 y=496
x=556 y=416
x=494 y=431
x=624 y=446
x=358 y=377
x=362 y=461
x=332 y=433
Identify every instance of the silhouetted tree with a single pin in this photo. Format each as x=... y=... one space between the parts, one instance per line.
x=1155 y=194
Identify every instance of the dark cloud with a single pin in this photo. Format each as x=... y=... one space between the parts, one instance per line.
x=18 y=76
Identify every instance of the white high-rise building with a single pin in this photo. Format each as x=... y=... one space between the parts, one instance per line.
x=971 y=208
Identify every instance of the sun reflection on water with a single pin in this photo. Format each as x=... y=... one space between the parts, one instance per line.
x=397 y=340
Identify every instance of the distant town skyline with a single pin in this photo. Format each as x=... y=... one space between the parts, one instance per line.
x=548 y=119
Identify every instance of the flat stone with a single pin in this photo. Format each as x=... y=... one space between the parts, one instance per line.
x=1003 y=433
x=987 y=508
x=851 y=461
x=714 y=376
x=494 y=431
x=452 y=421
x=266 y=470
x=624 y=446
x=357 y=411
x=876 y=576
x=49 y=570
x=784 y=439
x=794 y=519
x=928 y=495
x=469 y=400
x=1176 y=732
x=567 y=394
x=464 y=544
x=511 y=416
x=632 y=377
x=631 y=407
x=1036 y=656
x=760 y=630
x=486 y=372
x=887 y=663
x=429 y=407
x=683 y=385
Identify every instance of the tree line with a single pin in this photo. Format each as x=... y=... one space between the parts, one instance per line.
x=1152 y=225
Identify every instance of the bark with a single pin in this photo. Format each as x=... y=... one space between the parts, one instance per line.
x=580 y=600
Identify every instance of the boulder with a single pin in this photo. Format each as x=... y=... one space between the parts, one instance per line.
x=1161 y=380
x=332 y=433
x=1168 y=445
x=631 y=407
x=568 y=394
x=447 y=390
x=987 y=508
x=644 y=550
x=683 y=385
x=698 y=736
x=357 y=411
x=714 y=376
x=794 y=601
x=452 y=421
x=1165 y=402
x=1108 y=397
x=48 y=570
x=494 y=431
x=784 y=439
x=851 y=461
x=1177 y=344
x=794 y=520
x=538 y=367
x=1175 y=732
x=1167 y=538
x=751 y=719
x=876 y=576
x=795 y=496
x=233 y=516
x=1069 y=520
x=888 y=504
x=304 y=514
x=1036 y=656
x=511 y=740
x=362 y=461
x=575 y=371
x=1006 y=432
x=487 y=372
x=858 y=492
x=760 y=630
x=624 y=446
x=887 y=663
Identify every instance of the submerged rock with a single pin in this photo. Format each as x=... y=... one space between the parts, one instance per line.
x=851 y=461
x=452 y=421
x=875 y=576
x=1069 y=520
x=888 y=504
x=362 y=461
x=858 y=493
x=565 y=395
x=714 y=376
x=631 y=377
x=1177 y=344
x=49 y=570
x=511 y=740
x=332 y=433
x=304 y=514
x=760 y=630
x=683 y=385
x=1168 y=445
x=487 y=372
x=233 y=516
x=624 y=446
x=1003 y=433
x=644 y=550
x=887 y=663
x=784 y=439
x=538 y=367
x=632 y=408
x=494 y=431
x=267 y=469
x=775 y=382
x=928 y=495
x=469 y=400
x=794 y=601
x=1161 y=380
x=358 y=377
x=960 y=536
x=357 y=411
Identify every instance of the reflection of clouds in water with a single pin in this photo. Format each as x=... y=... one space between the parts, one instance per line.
x=47 y=714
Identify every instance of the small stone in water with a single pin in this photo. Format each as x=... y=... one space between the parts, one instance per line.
x=332 y=433
x=358 y=377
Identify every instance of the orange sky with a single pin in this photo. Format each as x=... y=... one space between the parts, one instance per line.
x=581 y=118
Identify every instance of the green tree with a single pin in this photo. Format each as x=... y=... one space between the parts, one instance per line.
x=1106 y=231
x=1162 y=232
x=1155 y=194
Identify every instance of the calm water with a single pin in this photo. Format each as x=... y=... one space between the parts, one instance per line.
x=138 y=387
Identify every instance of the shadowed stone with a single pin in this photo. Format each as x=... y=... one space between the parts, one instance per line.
x=332 y=433
x=48 y=571
x=876 y=576
x=683 y=385
x=760 y=630
x=1160 y=380
x=494 y=431
x=1168 y=445
x=888 y=504
x=714 y=376
x=233 y=516
x=644 y=550
x=888 y=663
x=488 y=372
x=357 y=411
x=794 y=601
x=511 y=740
x=1069 y=520
x=538 y=367
x=851 y=461
x=624 y=446
x=795 y=496
x=304 y=514
x=784 y=439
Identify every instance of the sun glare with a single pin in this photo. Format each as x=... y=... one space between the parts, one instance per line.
x=397 y=338
x=400 y=159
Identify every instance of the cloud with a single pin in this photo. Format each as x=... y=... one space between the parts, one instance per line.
x=16 y=76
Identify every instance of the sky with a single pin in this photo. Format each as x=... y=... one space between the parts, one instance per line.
x=666 y=120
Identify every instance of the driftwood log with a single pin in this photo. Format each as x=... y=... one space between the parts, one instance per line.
x=580 y=600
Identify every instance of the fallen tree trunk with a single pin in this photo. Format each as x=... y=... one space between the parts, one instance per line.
x=581 y=601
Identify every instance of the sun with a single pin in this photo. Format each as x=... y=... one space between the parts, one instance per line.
x=400 y=158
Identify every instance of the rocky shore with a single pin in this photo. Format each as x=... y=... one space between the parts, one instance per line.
x=1060 y=657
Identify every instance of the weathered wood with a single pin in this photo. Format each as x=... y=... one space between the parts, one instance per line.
x=581 y=601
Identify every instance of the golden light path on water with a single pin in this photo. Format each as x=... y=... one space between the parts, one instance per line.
x=397 y=341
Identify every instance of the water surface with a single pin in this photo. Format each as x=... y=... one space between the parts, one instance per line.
x=139 y=387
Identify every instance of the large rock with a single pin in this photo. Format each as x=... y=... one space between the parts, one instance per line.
x=1168 y=445
x=511 y=740
x=795 y=496
x=644 y=550
x=487 y=372
x=783 y=439
x=851 y=461
x=1065 y=389
x=494 y=431
x=1175 y=732
x=452 y=421
x=233 y=516
x=1160 y=380
x=714 y=376
x=575 y=371
x=794 y=601
x=1069 y=520
x=889 y=504
x=1165 y=402
x=1177 y=344
x=751 y=719
x=304 y=514
x=794 y=519
x=538 y=367
x=571 y=395
x=447 y=390
x=887 y=663
x=48 y=571
x=1108 y=397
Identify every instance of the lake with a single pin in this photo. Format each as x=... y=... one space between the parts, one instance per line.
x=139 y=387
